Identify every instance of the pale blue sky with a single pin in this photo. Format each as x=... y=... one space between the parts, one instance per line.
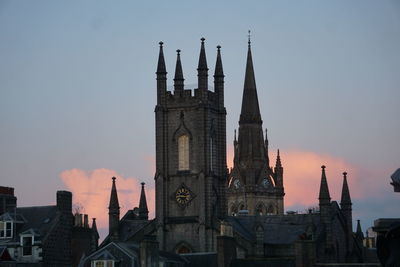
x=77 y=81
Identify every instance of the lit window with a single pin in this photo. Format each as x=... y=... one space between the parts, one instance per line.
x=6 y=229
x=103 y=263
x=183 y=153
x=27 y=242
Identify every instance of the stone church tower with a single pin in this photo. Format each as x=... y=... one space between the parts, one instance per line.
x=191 y=171
x=253 y=185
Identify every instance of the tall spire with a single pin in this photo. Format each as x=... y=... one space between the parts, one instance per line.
x=161 y=62
x=202 y=70
x=178 y=80
x=324 y=197
x=250 y=109
x=143 y=211
x=345 y=200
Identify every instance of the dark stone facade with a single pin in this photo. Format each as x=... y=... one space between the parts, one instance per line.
x=190 y=224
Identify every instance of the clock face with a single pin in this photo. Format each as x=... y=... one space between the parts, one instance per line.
x=265 y=182
x=236 y=184
x=182 y=195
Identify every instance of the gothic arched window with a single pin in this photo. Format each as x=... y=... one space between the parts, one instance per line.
x=270 y=210
x=183 y=153
x=234 y=210
x=259 y=209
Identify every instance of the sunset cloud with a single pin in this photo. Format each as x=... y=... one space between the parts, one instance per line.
x=302 y=174
x=91 y=190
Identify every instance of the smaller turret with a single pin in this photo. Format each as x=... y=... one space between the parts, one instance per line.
x=324 y=196
x=345 y=205
x=161 y=76
x=113 y=213
x=143 y=211
x=278 y=170
x=202 y=69
x=178 y=80
x=219 y=79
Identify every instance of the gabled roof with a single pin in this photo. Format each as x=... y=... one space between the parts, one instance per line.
x=278 y=229
x=40 y=219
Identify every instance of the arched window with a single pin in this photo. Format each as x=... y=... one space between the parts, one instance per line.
x=270 y=210
x=234 y=210
x=183 y=248
x=183 y=153
x=259 y=209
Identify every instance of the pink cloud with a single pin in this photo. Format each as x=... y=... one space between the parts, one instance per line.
x=302 y=175
x=91 y=189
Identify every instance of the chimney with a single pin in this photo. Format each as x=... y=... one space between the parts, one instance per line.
x=64 y=201
x=86 y=221
x=226 y=246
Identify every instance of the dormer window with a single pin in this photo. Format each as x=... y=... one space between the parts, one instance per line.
x=103 y=263
x=6 y=229
x=27 y=243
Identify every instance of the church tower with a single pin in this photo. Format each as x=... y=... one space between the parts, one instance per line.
x=191 y=168
x=253 y=184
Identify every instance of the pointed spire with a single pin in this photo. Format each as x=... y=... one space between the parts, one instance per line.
x=219 y=71
x=250 y=109
x=161 y=62
x=324 y=196
x=178 y=80
x=143 y=211
x=202 y=70
x=359 y=232
x=345 y=200
x=113 y=213
x=114 y=205
x=278 y=163
x=266 y=138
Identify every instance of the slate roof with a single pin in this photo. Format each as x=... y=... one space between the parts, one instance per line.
x=40 y=219
x=33 y=220
x=278 y=229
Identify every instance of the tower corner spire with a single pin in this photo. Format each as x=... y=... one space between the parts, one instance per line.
x=178 y=80
x=161 y=69
x=345 y=199
x=202 y=69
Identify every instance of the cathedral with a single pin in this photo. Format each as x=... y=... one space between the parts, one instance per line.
x=209 y=215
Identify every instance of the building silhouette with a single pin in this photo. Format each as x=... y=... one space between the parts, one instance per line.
x=207 y=215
